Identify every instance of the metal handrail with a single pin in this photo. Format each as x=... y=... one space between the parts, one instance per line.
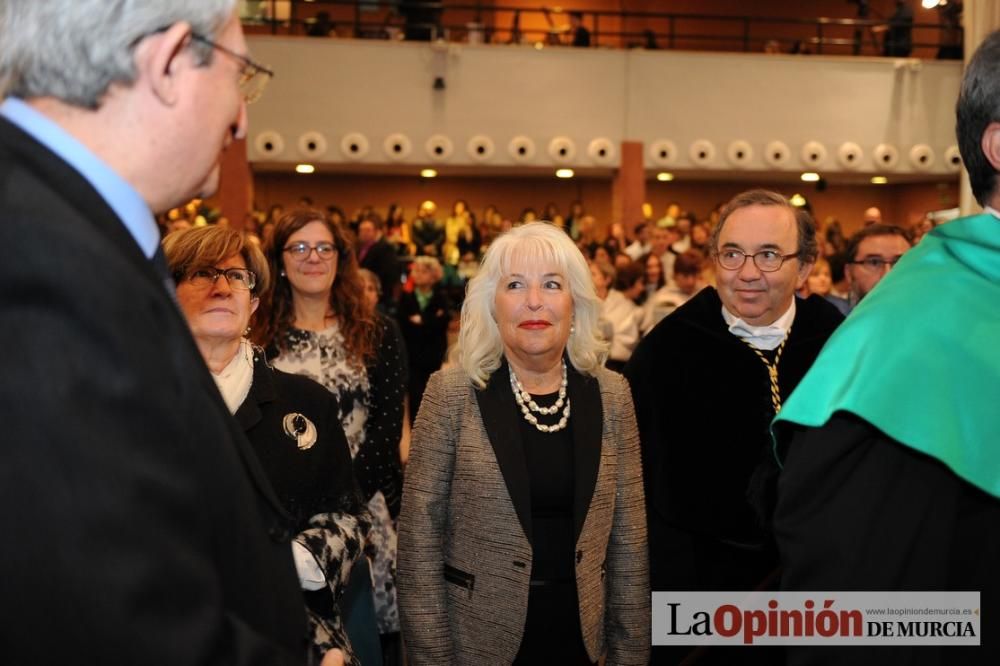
x=369 y=18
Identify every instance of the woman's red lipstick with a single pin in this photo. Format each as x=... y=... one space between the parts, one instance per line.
x=534 y=324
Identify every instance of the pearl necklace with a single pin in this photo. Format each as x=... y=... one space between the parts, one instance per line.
x=528 y=405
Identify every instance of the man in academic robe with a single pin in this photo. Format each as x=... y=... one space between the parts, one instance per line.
x=707 y=381
x=891 y=479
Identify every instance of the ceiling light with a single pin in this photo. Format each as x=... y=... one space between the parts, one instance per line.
x=428 y=173
x=564 y=173
x=810 y=177
x=304 y=168
x=929 y=4
x=664 y=176
x=879 y=180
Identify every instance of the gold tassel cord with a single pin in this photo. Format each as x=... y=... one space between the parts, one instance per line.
x=772 y=370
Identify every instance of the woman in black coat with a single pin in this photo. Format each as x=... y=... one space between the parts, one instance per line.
x=291 y=421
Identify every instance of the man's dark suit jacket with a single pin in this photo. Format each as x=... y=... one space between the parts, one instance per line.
x=138 y=527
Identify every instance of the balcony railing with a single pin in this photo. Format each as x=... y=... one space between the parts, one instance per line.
x=486 y=22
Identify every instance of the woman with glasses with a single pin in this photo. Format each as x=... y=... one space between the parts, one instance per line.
x=291 y=422
x=314 y=321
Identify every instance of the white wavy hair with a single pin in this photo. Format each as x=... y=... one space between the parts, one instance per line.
x=480 y=347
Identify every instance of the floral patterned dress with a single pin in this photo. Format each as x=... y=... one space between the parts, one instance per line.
x=371 y=411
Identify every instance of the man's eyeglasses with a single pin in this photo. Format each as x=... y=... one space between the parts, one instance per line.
x=876 y=264
x=302 y=250
x=253 y=75
x=766 y=261
x=239 y=279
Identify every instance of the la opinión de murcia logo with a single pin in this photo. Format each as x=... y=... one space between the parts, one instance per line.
x=829 y=618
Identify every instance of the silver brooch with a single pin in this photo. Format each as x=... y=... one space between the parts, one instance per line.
x=301 y=429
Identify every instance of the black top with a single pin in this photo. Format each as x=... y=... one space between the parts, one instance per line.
x=549 y=456
x=552 y=626
x=309 y=481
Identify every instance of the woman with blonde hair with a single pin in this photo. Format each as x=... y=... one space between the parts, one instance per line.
x=523 y=532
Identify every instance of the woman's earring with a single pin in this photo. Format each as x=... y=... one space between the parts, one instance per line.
x=572 y=329
x=282 y=272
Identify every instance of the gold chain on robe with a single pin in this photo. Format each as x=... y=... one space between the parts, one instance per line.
x=772 y=370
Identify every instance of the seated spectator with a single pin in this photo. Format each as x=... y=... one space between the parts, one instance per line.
x=663 y=236
x=378 y=256
x=622 y=260
x=839 y=288
x=422 y=20
x=899 y=32
x=587 y=238
x=427 y=231
x=922 y=228
x=551 y=214
x=616 y=240
x=397 y=230
x=640 y=245
x=581 y=36
x=871 y=253
x=621 y=314
x=576 y=213
x=872 y=215
x=423 y=317
x=603 y=253
x=700 y=235
x=461 y=234
x=666 y=299
x=654 y=274
x=684 y=225
x=950 y=17
x=468 y=266
x=631 y=280
x=820 y=282
x=321 y=26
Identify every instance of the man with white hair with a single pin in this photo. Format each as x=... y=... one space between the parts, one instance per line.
x=139 y=528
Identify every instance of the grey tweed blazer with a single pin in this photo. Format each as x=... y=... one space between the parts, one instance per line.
x=464 y=562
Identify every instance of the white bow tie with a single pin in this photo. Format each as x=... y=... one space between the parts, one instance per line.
x=762 y=337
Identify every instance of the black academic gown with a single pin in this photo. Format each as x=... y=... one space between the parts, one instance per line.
x=703 y=403
x=860 y=511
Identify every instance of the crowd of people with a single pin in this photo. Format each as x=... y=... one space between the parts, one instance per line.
x=205 y=433
x=641 y=275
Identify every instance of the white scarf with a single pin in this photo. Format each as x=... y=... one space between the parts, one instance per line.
x=762 y=337
x=235 y=379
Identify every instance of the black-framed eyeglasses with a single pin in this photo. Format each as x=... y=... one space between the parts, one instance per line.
x=253 y=75
x=766 y=261
x=302 y=250
x=239 y=279
x=876 y=264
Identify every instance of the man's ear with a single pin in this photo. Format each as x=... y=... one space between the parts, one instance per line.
x=991 y=144
x=161 y=58
x=805 y=268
